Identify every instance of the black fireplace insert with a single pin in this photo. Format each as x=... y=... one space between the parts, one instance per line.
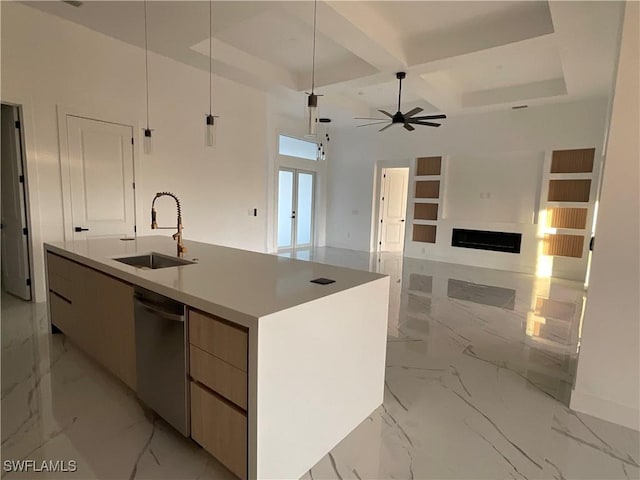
x=484 y=240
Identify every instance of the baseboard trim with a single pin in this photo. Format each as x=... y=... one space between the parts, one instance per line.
x=605 y=409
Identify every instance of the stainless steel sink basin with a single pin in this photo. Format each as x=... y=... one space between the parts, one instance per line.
x=153 y=261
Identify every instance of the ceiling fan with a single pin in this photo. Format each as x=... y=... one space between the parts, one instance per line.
x=405 y=119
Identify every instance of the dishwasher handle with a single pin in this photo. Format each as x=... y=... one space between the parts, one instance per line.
x=158 y=310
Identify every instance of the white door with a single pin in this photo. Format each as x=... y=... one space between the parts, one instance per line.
x=101 y=178
x=295 y=208
x=393 y=208
x=15 y=248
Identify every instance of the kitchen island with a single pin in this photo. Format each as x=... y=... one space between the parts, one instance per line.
x=279 y=369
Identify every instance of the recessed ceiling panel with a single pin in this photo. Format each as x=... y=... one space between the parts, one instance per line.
x=508 y=67
x=285 y=41
x=417 y=18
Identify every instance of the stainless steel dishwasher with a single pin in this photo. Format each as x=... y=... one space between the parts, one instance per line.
x=161 y=357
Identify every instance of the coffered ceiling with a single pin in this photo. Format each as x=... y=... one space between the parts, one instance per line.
x=460 y=56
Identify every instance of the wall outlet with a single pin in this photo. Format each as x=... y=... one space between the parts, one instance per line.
x=423 y=250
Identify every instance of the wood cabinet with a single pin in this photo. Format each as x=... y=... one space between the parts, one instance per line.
x=218 y=369
x=218 y=375
x=220 y=428
x=218 y=337
x=96 y=312
x=65 y=296
x=108 y=310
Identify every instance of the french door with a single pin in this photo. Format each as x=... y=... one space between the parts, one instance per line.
x=296 y=190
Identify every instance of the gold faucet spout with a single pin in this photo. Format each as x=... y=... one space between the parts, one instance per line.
x=154 y=225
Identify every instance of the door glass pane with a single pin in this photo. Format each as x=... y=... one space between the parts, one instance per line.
x=304 y=212
x=285 y=207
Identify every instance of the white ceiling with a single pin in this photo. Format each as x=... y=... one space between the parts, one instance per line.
x=460 y=56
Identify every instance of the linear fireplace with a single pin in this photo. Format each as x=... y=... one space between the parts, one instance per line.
x=483 y=240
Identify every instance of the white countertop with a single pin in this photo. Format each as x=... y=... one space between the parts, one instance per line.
x=235 y=284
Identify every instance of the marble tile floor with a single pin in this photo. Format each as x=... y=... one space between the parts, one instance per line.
x=480 y=365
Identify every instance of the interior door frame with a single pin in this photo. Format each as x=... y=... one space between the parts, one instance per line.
x=294 y=203
x=65 y=164
x=374 y=242
x=381 y=209
x=26 y=199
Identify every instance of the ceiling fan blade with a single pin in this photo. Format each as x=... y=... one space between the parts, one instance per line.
x=418 y=122
x=369 y=118
x=386 y=113
x=429 y=117
x=409 y=127
x=374 y=123
x=384 y=128
x=413 y=112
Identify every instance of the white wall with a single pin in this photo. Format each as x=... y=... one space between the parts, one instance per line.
x=350 y=189
x=47 y=61
x=501 y=134
x=607 y=383
x=501 y=187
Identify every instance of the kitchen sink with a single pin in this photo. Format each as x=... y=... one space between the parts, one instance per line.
x=153 y=261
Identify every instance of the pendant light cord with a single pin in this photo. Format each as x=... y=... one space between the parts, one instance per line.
x=313 y=61
x=146 y=59
x=210 y=52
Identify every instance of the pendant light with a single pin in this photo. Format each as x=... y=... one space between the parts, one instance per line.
x=147 y=131
x=210 y=123
x=312 y=99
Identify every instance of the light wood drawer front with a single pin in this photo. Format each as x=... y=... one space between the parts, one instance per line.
x=58 y=265
x=60 y=273
x=61 y=313
x=224 y=378
x=218 y=338
x=220 y=429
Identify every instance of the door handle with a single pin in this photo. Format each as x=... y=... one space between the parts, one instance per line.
x=80 y=229
x=402 y=220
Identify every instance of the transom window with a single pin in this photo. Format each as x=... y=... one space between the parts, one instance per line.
x=295 y=147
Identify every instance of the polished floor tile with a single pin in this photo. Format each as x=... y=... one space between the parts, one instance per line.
x=480 y=365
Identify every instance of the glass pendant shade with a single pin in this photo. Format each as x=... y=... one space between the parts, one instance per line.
x=210 y=131
x=148 y=147
x=312 y=115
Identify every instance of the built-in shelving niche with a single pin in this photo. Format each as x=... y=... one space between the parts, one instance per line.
x=561 y=217
x=427 y=188
x=428 y=166
x=428 y=174
x=424 y=233
x=425 y=211
x=578 y=165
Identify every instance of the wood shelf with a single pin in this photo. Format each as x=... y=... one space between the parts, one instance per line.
x=573 y=161
x=563 y=245
x=569 y=190
x=567 y=218
x=429 y=166
x=425 y=211
x=427 y=189
x=424 y=233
